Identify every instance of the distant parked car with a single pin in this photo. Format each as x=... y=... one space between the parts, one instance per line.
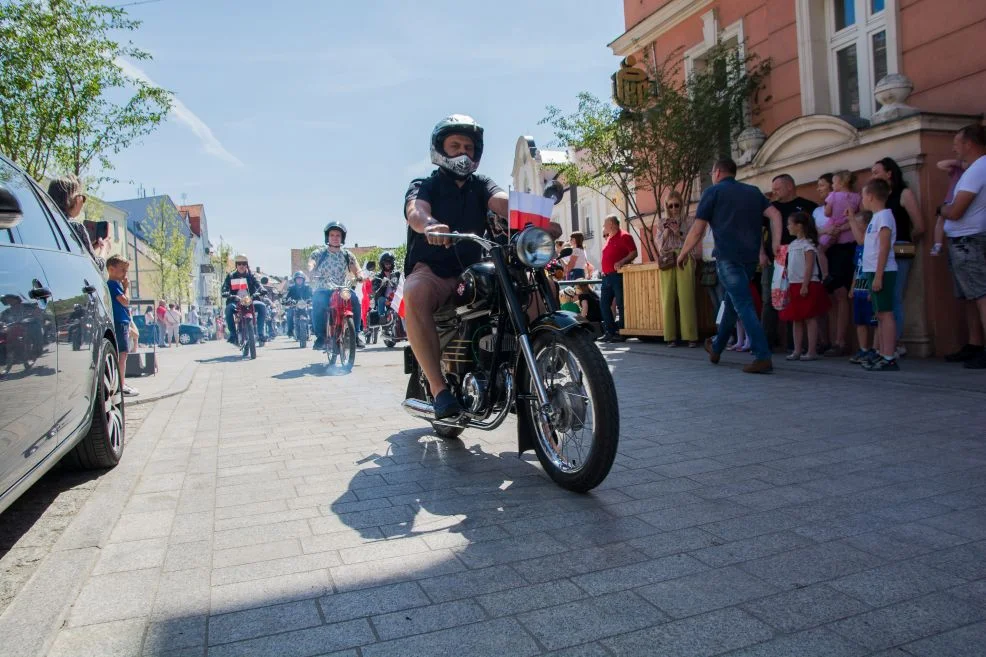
x=187 y=333
x=60 y=392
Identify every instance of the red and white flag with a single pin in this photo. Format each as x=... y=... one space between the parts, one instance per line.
x=529 y=209
x=398 y=301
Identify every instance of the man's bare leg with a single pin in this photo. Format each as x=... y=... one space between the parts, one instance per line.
x=422 y=333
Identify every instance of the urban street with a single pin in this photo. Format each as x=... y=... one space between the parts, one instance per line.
x=270 y=507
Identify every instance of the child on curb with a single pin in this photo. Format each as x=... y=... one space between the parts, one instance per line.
x=859 y=296
x=807 y=300
x=880 y=272
x=119 y=287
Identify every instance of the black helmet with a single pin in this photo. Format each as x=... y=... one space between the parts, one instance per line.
x=335 y=225
x=456 y=124
x=299 y=274
x=386 y=257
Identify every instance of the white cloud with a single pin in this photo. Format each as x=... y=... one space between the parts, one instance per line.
x=210 y=143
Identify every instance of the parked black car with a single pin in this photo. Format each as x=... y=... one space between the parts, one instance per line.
x=60 y=390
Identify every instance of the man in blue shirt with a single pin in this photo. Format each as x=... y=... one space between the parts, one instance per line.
x=735 y=211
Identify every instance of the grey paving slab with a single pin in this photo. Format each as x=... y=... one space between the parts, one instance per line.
x=272 y=590
x=805 y=566
x=471 y=583
x=527 y=598
x=590 y=620
x=810 y=643
x=805 y=608
x=373 y=601
x=705 y=591
x=252 y=623
x=115 y=596
x=301 y=643
x=113 y=639
x=182 y=633
x=909 y=621
x=733 y=552
x=494 y=638
x=427 y=619
x=395 y=569
x=577 y=562
x=674 y=542
x=968 y=640
x=894 y=582
x=690 y=515
x=968 y=561
x=637 y=574
x=698 y=636
x=132 y=555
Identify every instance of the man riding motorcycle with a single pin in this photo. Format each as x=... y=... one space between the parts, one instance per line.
x=385 y=282
x=299 y=290
x=239 y=283
x=452 y=199
x=330 y=266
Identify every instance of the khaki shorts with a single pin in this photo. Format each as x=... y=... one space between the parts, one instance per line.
x=426 y=288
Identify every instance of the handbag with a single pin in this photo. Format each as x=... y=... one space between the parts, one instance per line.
x=780 y=285
x=708 y=277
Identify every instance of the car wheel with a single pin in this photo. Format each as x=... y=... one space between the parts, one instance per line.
x=184 y=338
x=103 y=445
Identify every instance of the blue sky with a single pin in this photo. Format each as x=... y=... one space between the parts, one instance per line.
x=297 y=112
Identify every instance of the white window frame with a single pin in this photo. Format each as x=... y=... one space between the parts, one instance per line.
x=861 y=34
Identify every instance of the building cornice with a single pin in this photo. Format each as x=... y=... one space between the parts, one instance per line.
x=649 y=29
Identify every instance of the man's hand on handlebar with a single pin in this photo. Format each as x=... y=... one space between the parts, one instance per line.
x=437 y=227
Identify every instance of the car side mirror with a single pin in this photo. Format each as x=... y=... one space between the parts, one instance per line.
x=10 y=210
x=555 y=191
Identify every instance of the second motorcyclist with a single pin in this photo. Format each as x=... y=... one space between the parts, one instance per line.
x=331 y=267
x=239 y=283
x=299 y=290
x=385 y=282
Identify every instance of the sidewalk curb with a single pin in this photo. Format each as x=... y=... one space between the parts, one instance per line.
x=182 y=382
x=781 y=366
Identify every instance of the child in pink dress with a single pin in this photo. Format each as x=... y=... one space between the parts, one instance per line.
x=840 y=204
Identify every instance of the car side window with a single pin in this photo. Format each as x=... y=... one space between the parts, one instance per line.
x=63 y=225
x=35 y=230
x=6 y=236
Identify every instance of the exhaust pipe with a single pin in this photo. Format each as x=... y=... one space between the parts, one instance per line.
x=419 y=409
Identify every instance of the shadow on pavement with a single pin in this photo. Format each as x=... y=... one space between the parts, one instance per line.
x=312 y=369
x=232 y=358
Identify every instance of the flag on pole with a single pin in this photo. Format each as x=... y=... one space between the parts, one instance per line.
x=397 y=303
x=529 y=209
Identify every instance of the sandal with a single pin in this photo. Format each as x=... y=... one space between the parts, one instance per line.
x=794 y=356
x=692 y=345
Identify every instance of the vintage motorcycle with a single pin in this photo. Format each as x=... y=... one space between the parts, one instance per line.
x=245 y=318
x=499 y=358
x=340 y=329
x=302 y=321
x=389 y=324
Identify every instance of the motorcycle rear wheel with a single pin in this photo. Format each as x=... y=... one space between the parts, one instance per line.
x=584 y=403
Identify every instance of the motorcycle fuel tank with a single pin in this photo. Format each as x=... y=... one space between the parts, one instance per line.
x=475 y=287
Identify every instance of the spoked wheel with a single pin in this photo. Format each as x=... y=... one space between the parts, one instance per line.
x=578 y=435
x=250 y=341
x=347 y=345
x=184 y=338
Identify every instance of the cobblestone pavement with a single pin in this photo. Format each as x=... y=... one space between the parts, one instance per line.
x=274 y=510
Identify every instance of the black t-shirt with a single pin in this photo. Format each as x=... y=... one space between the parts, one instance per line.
x=786 y=208
x=463 y=209
x=594 y=313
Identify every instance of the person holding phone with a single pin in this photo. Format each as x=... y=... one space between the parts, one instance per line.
x=67 y=194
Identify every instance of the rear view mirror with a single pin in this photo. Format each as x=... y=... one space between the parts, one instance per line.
x=10 y=210
x=555 y=191
x=564 y=253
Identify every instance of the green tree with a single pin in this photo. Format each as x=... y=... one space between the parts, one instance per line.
x=65 y=101
x=171 y=251
x=683 y=125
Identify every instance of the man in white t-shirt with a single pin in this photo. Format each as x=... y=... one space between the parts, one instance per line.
x=965 y=226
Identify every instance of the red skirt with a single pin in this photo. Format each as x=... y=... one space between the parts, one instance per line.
x=800 y=308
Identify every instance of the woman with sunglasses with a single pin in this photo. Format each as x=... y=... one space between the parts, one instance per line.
x=67 y=194
x=677 y=284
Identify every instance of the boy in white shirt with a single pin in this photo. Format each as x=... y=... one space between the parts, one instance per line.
x=880 y=271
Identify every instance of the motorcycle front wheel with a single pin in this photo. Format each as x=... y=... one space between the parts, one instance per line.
x=250 y=341
x=576 y=444
x=347 y=345
x=302 y=332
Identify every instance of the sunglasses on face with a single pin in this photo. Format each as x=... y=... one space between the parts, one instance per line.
x=674 y=206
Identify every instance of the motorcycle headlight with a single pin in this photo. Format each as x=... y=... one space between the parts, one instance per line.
x=302 y=304
x=246 y=301
x=535 y=248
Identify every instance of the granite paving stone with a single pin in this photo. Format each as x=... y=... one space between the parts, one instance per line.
x=705 y=591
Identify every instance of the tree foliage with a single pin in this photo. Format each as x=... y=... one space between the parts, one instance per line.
x=684 y=124
x=171 y=251
x=65 y=101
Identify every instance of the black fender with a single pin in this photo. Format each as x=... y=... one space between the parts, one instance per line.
x=560 y=321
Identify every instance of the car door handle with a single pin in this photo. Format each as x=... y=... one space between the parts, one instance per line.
x=40 y=293
x=89 y=289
